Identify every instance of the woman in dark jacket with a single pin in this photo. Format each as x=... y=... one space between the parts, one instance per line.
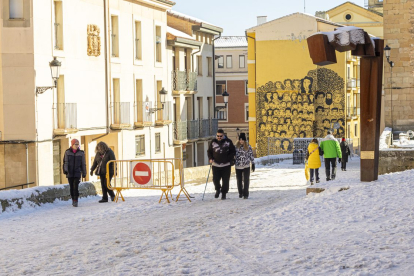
x=74 y=167
x=103 y=155
x=244 y=156
x=345 y=153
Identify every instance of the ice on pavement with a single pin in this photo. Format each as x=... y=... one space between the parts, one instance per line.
x=366 y=230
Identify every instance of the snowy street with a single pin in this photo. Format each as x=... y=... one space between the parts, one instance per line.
x=366 y=230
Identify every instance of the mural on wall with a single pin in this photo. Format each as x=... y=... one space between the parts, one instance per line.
x=299 y=108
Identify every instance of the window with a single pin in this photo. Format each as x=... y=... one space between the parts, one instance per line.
x=138 y=42
x=247 y=87
x=140 y=104
x=157 y=142
x=242 y=61
x=139 y=145
x=229 y=63
x=349 y=130
x=115 y=36
x=220 y=62
x=158 y=44
x=348 y=17
x=222 y=114
x=200 y=65
x=58 y=25
x=16 y=9
x=246 y=112
x=210 y=66
x=356 y=130
x=220 y=87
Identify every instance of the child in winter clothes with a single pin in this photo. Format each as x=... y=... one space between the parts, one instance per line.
x=244 y=156
x=314 y=161
x=74 y=167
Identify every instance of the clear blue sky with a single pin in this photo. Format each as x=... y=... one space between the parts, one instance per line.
x=235 y=16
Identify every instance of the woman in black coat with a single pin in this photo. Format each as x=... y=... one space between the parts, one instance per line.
x=103 y=155
x=345 y=153
x=74 y=167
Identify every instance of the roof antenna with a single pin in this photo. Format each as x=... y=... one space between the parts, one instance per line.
x=304 y=6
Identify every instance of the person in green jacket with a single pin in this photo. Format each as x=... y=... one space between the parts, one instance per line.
x=331 y=151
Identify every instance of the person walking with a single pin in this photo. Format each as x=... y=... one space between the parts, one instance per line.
x=221 y=153
x=345 y=153
x=74 y=167
x=244 y=156
x=331 y=151
x=314 y=161
x=103 y=155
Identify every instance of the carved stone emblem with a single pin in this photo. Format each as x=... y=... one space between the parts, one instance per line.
x=94 y=40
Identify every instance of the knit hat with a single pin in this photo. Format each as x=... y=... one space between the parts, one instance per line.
x=343 y=139
x=74 y=141
x=243 y=136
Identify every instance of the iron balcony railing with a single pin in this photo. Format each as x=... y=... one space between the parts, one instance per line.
x=351 y=83
x=204 y=130
x=121 y=113
x=213 y=126
x=67 y=116
x=143 y=114
x=193 y=129
x=184 y=81
x=180 y=130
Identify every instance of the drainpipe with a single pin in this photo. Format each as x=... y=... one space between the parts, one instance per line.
x=255 y=75
x=214 y=76
x=27 y=163
x=106 y=65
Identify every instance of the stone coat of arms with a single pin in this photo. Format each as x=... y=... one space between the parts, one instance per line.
x=94 y=40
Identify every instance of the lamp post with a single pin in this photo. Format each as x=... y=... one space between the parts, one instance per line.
x=163 y=93
x=54 y=71
x=387 y=51
x=225 y=100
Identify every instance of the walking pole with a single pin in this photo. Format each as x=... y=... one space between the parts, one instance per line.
x=206 y=182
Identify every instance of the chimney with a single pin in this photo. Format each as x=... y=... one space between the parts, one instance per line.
x=261 y=20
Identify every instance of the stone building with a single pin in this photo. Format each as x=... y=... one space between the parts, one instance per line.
x=399 y=80
x=231 y=76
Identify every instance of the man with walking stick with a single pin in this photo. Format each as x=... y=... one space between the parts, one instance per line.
x=221 y=154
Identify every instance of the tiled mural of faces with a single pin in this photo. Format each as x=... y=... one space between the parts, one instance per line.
x=299 y=108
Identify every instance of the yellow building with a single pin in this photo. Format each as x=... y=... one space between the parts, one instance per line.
x=289 y=96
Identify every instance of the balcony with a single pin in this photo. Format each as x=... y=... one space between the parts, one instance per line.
x=121 y=116
x=351 y=83
x=204 y=130
x=180 y=132
x=353 y=112
x=184 y=82
x=164 y=115
x=143 y=116
x=66 y=120
x=193 y=130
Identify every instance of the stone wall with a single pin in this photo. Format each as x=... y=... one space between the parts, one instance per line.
x=42 y=195
x=396 y=161
x=398 y=34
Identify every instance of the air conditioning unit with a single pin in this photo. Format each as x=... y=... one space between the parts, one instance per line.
x=158 y=39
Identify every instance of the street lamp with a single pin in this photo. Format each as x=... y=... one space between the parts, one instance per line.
x=387 y=51
x=225 y=100
x=54 y=71
x=163 y=94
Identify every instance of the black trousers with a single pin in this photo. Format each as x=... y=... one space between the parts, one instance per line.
x=74 y=187
x=328 y=163
x=244 y=191
x=223 y=174
x=105 y=190
x=314 y=172
x=343 y=165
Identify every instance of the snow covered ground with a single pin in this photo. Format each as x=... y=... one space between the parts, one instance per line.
x=366 y=230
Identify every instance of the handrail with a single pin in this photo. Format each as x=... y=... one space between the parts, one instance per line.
x=17 y=186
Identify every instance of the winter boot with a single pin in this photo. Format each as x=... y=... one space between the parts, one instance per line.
x=311 y=182
x=328 y=173
x=333 y=173
x=246 y=197
x=217 y=194
x=240 y=195
x=103 y=200
x=223 y=196
x=112 y=198
x=75 y=203
x=317 y=181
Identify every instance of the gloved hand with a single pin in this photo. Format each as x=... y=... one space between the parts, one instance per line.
x=253 y=167
x=91 y=173
x=84 y=176
x=65 y=172
x=339 y=160
x=232 y=162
